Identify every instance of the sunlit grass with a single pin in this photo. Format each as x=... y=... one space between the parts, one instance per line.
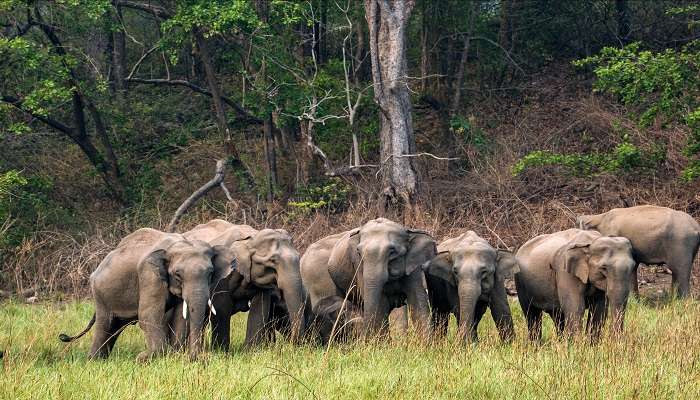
x=658 y=357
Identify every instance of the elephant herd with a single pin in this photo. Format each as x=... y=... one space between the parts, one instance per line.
x=348 y=283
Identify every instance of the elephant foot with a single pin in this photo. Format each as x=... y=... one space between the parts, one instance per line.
x=145 y=357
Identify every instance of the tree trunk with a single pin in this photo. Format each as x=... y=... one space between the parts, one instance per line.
x=459 y=79
x=221 y=121
x=424 y=60
x=119 y=55
x=271 y=158
x=387 y=24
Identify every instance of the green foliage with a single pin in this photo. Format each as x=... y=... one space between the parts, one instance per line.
x=331 y=195
x=625 y=157
x=25 y=205
x=469 y=133
x=661 y=85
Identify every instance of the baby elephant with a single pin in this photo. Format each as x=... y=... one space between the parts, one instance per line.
x=565 y=273
x=464 y=279
x=659 y=235
x=146 y=275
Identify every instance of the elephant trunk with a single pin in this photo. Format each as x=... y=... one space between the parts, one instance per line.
x=293 y=292
x=375 y=312
x=617 y=298
x=197 y=309
x=469 y=293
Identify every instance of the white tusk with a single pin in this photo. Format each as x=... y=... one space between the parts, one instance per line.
x=184 y=309
x=211 y=306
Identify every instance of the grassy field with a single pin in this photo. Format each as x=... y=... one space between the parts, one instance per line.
x=657 y=358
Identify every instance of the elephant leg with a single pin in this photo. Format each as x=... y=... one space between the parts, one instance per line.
x=500 y=312
x=221 y=331
x=559 y=321
x=479 y=312
x=572 y=307
x=597 y=313
x=102 y=332
x=398 y=318
x=634 y=282
x=681 y=267
x=154 y=326
x=439 y=321
x=117 y=328
x=418 y=303
x=177 y=328
x=533 y=315
x=258 y=320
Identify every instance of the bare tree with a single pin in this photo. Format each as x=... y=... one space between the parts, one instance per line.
x=387 y=21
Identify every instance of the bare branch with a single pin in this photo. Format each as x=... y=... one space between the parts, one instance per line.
x=217 y=180
x=138 y=63
x=157 y=11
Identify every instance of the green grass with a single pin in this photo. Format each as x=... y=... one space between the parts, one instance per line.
x=658 y=357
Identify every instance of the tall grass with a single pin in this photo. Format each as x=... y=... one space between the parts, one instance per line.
x=657 y=357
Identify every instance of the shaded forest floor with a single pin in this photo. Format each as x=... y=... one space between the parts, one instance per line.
x=553 y=110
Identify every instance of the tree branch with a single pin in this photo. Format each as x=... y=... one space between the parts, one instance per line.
x=157 y=11
x=244 y=114
x=217 y=180
x=59 y=126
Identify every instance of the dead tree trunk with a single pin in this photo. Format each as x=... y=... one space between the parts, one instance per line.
x=387 y=22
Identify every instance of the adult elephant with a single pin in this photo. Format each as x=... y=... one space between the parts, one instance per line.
x=376 y=268
x=146 y=275
x=465 y=278
x=567 y=272
x=267 y=279
x=659 y=235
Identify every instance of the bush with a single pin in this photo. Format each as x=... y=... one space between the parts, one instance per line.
x=624 y=158
x=331 y=195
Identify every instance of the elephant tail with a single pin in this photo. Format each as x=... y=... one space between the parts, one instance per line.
x=65 y=338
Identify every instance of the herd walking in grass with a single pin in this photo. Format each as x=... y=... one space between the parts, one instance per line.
x=346 y=285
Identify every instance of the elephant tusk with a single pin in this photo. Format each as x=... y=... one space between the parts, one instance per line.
x=211 y=306
x=184 y=309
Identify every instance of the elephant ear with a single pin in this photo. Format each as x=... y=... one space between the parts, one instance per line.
x=342 y=263
x=224 y=261
x=421 y=248
x=156 y=261
x=573 y=258
x=243 y=255
x=441 y=267
x=506 y=264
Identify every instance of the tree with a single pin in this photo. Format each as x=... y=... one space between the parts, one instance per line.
x=387 y=22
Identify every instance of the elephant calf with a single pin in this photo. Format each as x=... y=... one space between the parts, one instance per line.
x=145 y=276
x=376 y=268
x=465 y=278
x=659 y=235
x=567 y=272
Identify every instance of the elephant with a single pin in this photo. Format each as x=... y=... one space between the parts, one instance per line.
x=567 y=272
x=147 y=274
x=659 y=235
x=365 y=273
x=465 y=278
x=267 y=284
